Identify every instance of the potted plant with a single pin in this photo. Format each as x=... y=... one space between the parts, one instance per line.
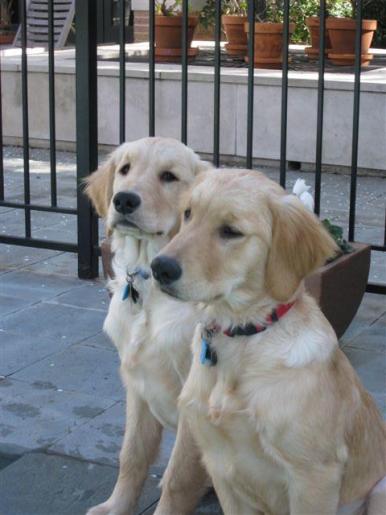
x=341 y=31
x=340 y=284
x=313 y=25
x=269 y=35
x=168 y=31
x=233 y=19
x=7 y=32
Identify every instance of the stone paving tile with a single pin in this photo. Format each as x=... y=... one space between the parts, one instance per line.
x=79 y=368
x=39 y=484
x=55 y=321
x=371 y=368
x=90 y=295
x=208 y=506
x=33 y=416
x=100 y=439
x=10 y=305
x=19 y=350
x=100 y=340
x=34 y=287
x=13 y=257
x=371 y=308
x=61 y=264
x=373 y=338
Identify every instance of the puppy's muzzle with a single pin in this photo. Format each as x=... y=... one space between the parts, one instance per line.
x=166 y=270
x=126 y=202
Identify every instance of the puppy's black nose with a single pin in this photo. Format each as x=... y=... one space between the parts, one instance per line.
x=126 y=202
x=165 y=269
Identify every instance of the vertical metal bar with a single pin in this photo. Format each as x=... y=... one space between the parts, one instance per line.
x=217 y=84
x=24 y=95
x=122 y=71
x=251 y=74
x=1 y=142
x=319 y=122
x=86 y=132
x=51 y=101
x=355 y=129
x=184 y=72
x=151 y=68
x=384 y=233
x=284 y=97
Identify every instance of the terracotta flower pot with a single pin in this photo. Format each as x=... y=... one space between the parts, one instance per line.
x=268 y=44
x=313 y=25
x=342 y=36
x=7 y=37
x=168 y=37
x=237 y=39
x=339 y=286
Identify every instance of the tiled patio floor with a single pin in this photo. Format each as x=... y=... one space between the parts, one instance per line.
x=61 y=400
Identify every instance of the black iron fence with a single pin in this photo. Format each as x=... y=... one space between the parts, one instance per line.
x=87 y=122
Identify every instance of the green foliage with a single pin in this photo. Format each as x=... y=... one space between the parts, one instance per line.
x=162 y=8
x=272 y=10
x=6 y=11
x=208 y=12
x=336 y=233
x=376 y=10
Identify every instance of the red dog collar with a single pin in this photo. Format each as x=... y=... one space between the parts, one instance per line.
x=208 y=355
x=250 y=328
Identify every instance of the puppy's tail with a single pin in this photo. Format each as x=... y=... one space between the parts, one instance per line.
x=376 y=503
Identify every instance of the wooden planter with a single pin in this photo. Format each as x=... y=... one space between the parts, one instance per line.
x=340 y=285
x=342 y=36
x=237 y=38
x=268 y=44
x=168 y=38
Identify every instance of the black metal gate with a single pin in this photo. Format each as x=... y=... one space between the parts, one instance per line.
x=86 y=108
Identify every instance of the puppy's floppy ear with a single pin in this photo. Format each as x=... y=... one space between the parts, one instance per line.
x=99 y=187
x=203 y=166
x=300 y=244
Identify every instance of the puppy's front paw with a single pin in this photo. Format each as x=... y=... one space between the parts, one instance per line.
x=105 y=508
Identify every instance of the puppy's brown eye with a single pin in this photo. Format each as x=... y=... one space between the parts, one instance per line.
x=187 y=214
x=227 y=232
x=125 y=169
x=168 y=177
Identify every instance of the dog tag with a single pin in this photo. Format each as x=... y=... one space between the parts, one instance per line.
x=208 y=356
x=126 y=291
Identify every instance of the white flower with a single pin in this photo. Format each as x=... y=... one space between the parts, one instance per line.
x=300 y=189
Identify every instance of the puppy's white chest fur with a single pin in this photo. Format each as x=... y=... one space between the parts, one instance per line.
x=152 y=336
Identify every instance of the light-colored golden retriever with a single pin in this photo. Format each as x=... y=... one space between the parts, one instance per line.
x=137 y=191
x=282 y=421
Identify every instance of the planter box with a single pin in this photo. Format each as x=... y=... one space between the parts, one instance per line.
x=340 y=285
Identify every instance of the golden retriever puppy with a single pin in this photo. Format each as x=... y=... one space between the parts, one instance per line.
x=137 y=191
x=283 y=423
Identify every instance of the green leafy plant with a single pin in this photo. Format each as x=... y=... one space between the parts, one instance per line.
x=164 y=8
x=376 y=10
x=228 y=7
x=336 y=232
x=6 y=11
